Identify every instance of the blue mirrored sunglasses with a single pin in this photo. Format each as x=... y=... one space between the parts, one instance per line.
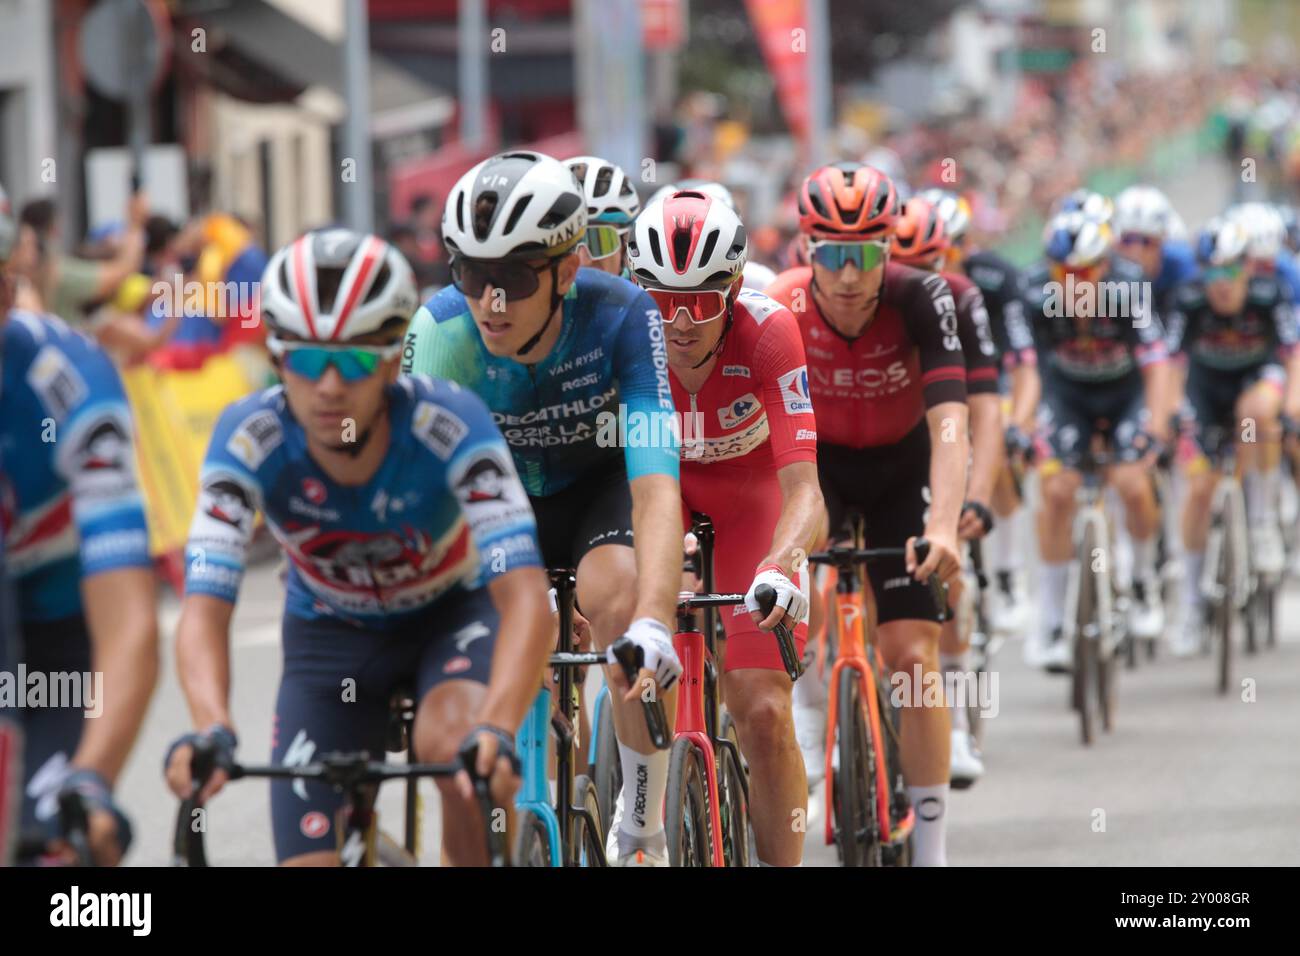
x=354 y=362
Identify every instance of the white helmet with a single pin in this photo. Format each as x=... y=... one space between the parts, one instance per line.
x=952 y=208
x=1143 y=210
x=1077 y=239
x=333 y=285
x=1092 y=204
x=610 y=195
x=519 y=205
x=1221 y=242
x=1265 y=229
x=688 y=240
x=8 y=225
x=707 y=186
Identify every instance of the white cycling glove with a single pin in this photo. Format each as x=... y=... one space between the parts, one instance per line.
x=788 y=595
x=657 y=652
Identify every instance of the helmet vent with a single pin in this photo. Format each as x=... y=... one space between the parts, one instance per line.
x=485 y=207
x=681 y=246
x=580 y=171
x=710 y=241
x=603 y=179
x=284 y=280
x=460 y=211
x=516 y=213
x=328 y=280
x=654 y=248
x=563 y=207
x=738 y=244
x=378 y=285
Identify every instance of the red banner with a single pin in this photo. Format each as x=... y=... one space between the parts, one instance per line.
x=782 y=30
x=662 y=24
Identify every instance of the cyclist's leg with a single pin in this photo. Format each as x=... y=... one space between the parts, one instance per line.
x=1130 y=478
x=51 y=734
x=758 y=691
x=1066 y=423
x=333 y=696
x=1258 y=407
x=454 y=670
x=908 y=638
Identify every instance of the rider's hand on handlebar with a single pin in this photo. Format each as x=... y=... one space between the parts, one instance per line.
x=177 y=763
x=108 y=831
x=791 y=603
x=491 y=752
x=976 y=521
x=658 y=659
x=942 y=558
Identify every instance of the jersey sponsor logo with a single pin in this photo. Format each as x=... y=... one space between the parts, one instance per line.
x=734 y=445
x=56 y=382
x=591 y=378
x=470 y=633
x=113 y=545
x=891 y=378
x=794 y=390
x=744 y=407
x=255 y=438
x=308 y=510
x=490 y=493
x=314 y=490
x=227 y=501
x=805 y=434
x=815 y=352
x=101 y=459
x=438 y=429
x=578 y=361
x=457 y=665
x=759 y=305
x=737 y=371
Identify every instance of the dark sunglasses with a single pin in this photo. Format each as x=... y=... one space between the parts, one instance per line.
x=1137 y=239
x=518 y=280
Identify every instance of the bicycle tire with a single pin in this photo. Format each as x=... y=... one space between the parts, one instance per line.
x=899 y=803
x=1228 y=570
x=586 y=847
x=733 y=802
x=607 y=773
x=532 y=840
x=1085 y=647
x=857 y=823
x=690 y=841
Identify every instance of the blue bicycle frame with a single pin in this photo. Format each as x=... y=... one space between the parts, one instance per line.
x=535 y=794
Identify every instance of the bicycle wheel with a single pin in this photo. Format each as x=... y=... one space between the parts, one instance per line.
x=532 y=840
x=586 y=843
x=1086 y=628
x=687 y=812
x=857 y=823
x=900 y=853
x=1228 y=569
x=733 y=801
x=607 y=772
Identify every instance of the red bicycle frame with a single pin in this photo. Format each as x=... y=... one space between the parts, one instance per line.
x=690 y=721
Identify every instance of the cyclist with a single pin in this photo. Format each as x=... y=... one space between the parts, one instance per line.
x=1144 y=225
x=77 y=552
x=412 y=551
x=1266 y=244
x=1087 y=201
x=886 y=373
x=757 y=276
x=559 y=353
x=999 y=283
x=1236 y=330
x=920 y=240
x=737 y=367
x=1101 y=357
x=612 y=204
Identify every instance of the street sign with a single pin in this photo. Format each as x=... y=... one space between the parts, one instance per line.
x=123 y=46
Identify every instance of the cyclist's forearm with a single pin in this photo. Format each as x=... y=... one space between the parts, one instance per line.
x=524 y=639
x=657 y=538
x=120 y=614
x=949 y=452
x=1026 y=390
x=802 y=510
x=1291 y=399
x=988 y=452
x=203 y=658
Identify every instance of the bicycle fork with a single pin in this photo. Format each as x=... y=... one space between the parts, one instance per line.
x=690 y=724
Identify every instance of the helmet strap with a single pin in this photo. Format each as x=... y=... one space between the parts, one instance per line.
x=556 y=299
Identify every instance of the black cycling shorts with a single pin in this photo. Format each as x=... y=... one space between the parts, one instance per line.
x=1212 y=399
x=890 y=486
x=58 y=650
x=594 y=510
x=1070 y=412
x=316 y=712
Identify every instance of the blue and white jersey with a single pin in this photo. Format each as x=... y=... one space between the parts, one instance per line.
x=444 y=510
x=70 y=502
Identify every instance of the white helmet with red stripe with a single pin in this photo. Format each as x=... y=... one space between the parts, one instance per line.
x=688 y=240
x=333 y=285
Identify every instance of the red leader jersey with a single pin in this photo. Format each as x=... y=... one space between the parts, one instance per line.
x=874 y=389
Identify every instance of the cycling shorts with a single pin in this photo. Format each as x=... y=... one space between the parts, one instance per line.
x=890 y=486
x=745 y=506
x=594 y=510
x=1071 y=411
x=316 y=712
x=1212 y=397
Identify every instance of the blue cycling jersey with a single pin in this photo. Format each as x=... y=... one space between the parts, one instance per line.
x=562 y=417
x=1177 y=265
x=73 y=508
x=445 y=509
x=1288 y=273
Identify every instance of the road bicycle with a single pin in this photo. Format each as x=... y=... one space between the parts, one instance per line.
x=568 y=831
x=360 y=841
x=868 y=815
x=1225 y=581
x=706 y=813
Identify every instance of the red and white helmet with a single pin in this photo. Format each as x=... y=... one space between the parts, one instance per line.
x=687 y=240
x=333 y=285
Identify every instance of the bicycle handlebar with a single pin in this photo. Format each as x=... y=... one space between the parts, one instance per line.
x=628 y=655
x=846 y=557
